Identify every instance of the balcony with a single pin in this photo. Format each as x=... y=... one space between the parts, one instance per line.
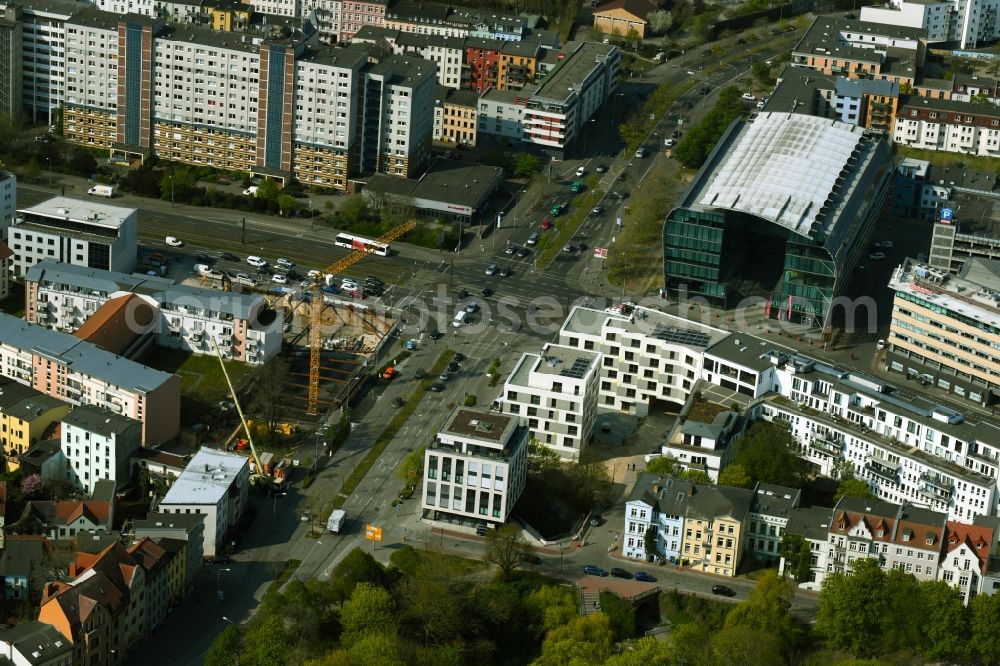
x=883 y=470
x=827 y=446
x=936 y=487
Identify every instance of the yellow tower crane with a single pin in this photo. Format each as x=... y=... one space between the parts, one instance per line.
x=315 y=330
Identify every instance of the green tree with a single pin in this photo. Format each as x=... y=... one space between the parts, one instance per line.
x=376 y=649
x=985 y=627
x=647 y=651
x=553 y=605
x=354 y=210
x=411 y=470
x=541 y=459
x=268 y=190
x=585 y=640
x=907 y=89
x=768 y=452
x=370 y=610
x=81 y=162
x=270 y=384
x=632 y=132
x=659 y=21
x=632 y=39
x=357 y=567
x=735 y=475
x=853 y=488
x=946 y=622
x=526 y=165
x=761 y=71
x=690 y=644
x=741 y=645
x=767 y=611
x=664 y=466
x=178 y=184
x=30 y=170
x=506 y=548
x=264 y=642
x=621 y=615
x=798 y=556
x=287 y=204
x=649 y=540
x=225 y=649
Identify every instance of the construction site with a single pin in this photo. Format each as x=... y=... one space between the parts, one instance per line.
x=351 y=337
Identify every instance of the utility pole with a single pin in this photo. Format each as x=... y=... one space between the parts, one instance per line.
x=243 y=231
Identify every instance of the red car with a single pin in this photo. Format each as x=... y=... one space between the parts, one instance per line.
x=546 y=224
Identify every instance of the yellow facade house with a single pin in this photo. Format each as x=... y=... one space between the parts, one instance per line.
x=714 y=531
x=619 y=16
x=25 y=415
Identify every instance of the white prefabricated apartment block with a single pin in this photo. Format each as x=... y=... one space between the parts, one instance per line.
x=555 y=391
x=475 y=468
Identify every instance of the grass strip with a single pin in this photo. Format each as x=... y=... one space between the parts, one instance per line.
x=284 y=576
x=391 y=430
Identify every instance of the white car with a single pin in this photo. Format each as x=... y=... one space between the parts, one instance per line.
x=202 y=269
x=347 y=285
x=668 y=143
x=747 y=97
x=760 y=104
x=284 y=262
x=580 y=172
x=256 y=261
x=491 y=269
x=173 y=241
x=250 y=191
x=278 y=278
x=876 y=256
x=884 y=245
x=313 y=274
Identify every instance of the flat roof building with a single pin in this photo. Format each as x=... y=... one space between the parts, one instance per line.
x=74 y=231
x=475 y=469
x=450 y=189
x=744 y=228
x=215 y=484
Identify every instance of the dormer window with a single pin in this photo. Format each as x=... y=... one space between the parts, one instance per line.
x=906 y=537
x=841 y=525
x=880 y=533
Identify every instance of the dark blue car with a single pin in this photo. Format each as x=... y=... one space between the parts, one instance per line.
x=594 y=571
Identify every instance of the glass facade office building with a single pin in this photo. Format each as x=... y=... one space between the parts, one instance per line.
x=784 y=209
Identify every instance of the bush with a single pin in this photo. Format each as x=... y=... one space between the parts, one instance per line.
x=470 y=400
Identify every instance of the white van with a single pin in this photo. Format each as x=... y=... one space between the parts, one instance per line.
x=459 y=318
x=102 y=191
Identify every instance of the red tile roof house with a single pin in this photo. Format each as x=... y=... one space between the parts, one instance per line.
x=65 y=519
x=966 y=557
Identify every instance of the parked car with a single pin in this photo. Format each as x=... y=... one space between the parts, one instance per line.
x=459 y=357
x=618 y=572
x=546 y=224
x=463 y=293
x=569 y=247
x=284 y=262
x=522 y=252
x=600 y=168
x=222 y=559
x=580 y=172
x=510 y=249
x=204 y=259
x=876 y=256
x=437 y=387
x=444 y=376
x=557 y=209
x=597 y=210
x=576 y=187
x=723 y=591
x=644 y=577
x=250 y=191
x=594 y=570
x=228 y=256
x=256 y=261
x=747 y=97
x=375 y=280
x=504 y=272
x=884 y=244
x=486 y=291
x=596 y=521
x=398 y=402
x=435 y=335
x=278 y=278
x=418 y=373
x=640 y=153
x=491 y=269
x=453 y=366
x=173 y=241
x=532 y=239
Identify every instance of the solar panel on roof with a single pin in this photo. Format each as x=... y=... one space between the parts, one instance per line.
x=680 y=335
x=577 y=370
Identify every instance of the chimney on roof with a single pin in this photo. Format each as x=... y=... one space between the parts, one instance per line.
x=691 y=490
x=656 y=488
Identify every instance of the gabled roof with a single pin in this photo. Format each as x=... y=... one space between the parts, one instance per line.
x=979 y=539
x=64 y=512
x=150 y=556
x=36 y=642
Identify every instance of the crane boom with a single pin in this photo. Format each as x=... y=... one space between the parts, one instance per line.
x=239 y=410
x=315 y=334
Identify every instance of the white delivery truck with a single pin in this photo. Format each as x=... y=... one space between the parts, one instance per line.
x=459 y=319
x=336 y=521
x=102 y=191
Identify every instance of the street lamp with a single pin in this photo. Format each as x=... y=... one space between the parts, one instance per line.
x=218 y=583
x=319 y=432
x=228 y=620
x=312 y=219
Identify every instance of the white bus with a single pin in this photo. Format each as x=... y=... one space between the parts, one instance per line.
x=360 y=243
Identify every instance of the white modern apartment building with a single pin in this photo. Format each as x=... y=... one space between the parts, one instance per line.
x=500 y=115
x=448 y=53
x=214 y=484
x=475 y=469
x=43 y=56
x=74 y=231
x=555 y=392
x=556 y=114
x=99 y=444
x=80 y=373
x=646 y=354
x=701 y=436
x=967 y=23
x=948 y=125
x=64 y=297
